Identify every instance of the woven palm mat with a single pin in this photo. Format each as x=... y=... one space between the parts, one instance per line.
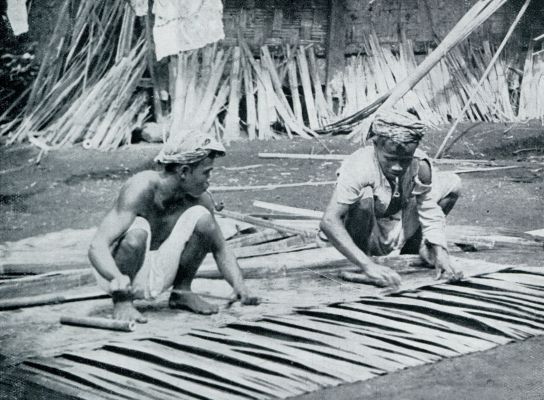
x=312 y=348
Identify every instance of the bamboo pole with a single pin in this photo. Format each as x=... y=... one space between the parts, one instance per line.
x=484 y=76
x=101 y=323
x=251 y=111
x=307 y=88
x=293 y=85
x=232 y=120
x=476 y=16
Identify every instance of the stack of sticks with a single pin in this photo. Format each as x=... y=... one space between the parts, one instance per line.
x=531 y=102
x=85 y=90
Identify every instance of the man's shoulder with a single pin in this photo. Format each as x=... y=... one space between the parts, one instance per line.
x=140 y=184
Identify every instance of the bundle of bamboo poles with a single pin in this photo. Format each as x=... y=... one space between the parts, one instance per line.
x=440 y=95
x=87 y=80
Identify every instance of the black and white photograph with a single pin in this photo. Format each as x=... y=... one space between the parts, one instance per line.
x=272 y=199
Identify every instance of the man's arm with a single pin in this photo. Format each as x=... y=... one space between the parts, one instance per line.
x=116 y=222
x=432 y=221
x=332 y=225
x=226 y=260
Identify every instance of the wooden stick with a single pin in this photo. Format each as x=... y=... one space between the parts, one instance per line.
x=101 y=323
x=264 y=223
x=289 y=210
x=269 y=186
x=279 y=246
x=266 y=235
x=46 y=299
x=484 y=76
x=335 y=157
x=468 y=171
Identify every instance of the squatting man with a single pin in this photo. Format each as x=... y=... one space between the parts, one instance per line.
x=159 y=231
x=389 y=200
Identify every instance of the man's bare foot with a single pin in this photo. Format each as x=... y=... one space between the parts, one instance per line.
x=125 y=310
x=187 y=300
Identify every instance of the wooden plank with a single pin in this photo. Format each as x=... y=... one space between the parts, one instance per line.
x=46 y=283
x=289 y=210
x=264 y=223
x=270 y=186
x=265 y=235
x=52 y=298
x=279 y=246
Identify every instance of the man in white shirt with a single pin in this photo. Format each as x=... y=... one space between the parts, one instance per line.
x=388 y=199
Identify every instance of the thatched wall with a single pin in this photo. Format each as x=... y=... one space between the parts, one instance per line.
x=276 y=22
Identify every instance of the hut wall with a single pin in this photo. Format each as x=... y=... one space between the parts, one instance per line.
x=277 y=22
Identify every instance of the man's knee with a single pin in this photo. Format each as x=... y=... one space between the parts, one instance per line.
x=206 y=227
x=133 y=241
x=456 y=185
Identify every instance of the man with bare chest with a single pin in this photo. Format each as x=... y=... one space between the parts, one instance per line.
x=388 y=200
x=159 y=231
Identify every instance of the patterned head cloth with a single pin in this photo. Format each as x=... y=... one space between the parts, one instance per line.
x=398 y=126
x=194 y=147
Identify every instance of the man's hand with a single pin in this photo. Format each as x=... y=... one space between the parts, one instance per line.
x=381 y=275
x=438 y=256
x=120 y=284
x=246 y=298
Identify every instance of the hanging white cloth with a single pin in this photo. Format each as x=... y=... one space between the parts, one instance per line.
x=182 y=25
x=17 y=16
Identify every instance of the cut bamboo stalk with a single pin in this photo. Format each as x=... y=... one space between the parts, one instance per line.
x=262 y=111
x=100 y=323
x=232 y=120
x=307 y=88
x=293 y=85
x=320 y=102
x=251 y=111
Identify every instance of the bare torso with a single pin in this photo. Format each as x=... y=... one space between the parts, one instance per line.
x=160 y=203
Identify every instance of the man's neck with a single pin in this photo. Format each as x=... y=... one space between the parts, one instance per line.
x=170 y=188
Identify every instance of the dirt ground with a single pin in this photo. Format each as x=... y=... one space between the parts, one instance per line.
x=72 y=188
